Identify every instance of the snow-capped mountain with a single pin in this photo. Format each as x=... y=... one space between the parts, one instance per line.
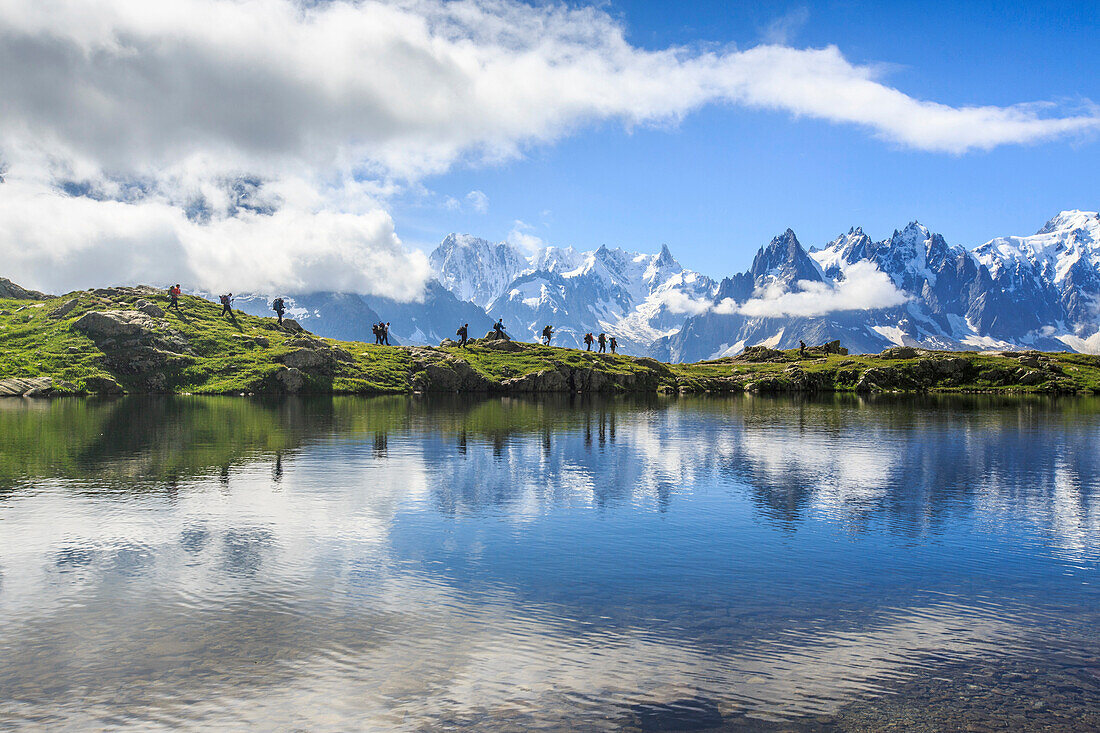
x=914 y=288
x=1040 y=291
x=636 y=297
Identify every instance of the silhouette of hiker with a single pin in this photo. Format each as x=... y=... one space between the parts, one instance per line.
x=498 y=327
x=588 y=339
x=547 y=334
x=174 y=297
x=226 y=301
x=463 y=334
x=279 y=308
x=802 y=349
x=602 y=341
x=386 y=333
x=377 y=333
x=614 y=344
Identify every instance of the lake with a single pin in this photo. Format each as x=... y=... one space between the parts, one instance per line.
x=402 y=563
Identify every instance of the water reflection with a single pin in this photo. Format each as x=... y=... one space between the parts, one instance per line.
x=501 y=564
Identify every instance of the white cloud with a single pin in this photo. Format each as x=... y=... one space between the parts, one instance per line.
x=679 y=302
x=782 y=29
x=865 y=287
x=479 y=201
x=521 y=237
x=331 y=100
x=69 y=242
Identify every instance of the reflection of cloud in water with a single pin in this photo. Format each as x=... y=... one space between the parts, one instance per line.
x=400 y=650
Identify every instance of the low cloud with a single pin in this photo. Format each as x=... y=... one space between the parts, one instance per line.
x=143 y=110
x=521 y=237
x=478 y=200
x=865 y=287
x=678 y=302
x=69 y=242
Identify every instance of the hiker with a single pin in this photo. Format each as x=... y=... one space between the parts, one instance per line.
x=801 y=349
x=386 y=333
x=614 y=344
x=463 y=334
x=547 y=334
x=602 y=341
x=174 y=297
x=588 y=339
x=226 y=300
x=279 y=308
x=377 y=333
x=498 y=327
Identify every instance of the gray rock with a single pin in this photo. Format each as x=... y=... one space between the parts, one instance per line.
x=65 y=308
x=899 y=352
x=115 y=324
x=502 y=345
x=318 y=360
x=103 y=386
x=10 y=290
x=29 y=387
x=149 y=309
x=289 y=324
x=547 y=380
x=290 y=380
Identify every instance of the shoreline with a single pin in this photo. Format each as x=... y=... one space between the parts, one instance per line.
x=124 y=341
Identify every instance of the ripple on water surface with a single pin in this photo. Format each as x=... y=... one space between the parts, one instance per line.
x=658 y=564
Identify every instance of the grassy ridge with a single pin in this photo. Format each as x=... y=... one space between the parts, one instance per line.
x=219 y=355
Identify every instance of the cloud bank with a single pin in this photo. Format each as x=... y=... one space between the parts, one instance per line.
x=864 y=287
x=116 y=114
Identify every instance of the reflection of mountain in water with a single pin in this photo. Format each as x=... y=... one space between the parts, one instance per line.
x=912 y=461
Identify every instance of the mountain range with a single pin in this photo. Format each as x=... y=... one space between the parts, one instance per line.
x=914 y=288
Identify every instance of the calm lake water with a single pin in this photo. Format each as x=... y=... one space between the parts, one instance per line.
x=659 y=564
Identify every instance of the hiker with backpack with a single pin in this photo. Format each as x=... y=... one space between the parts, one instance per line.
x=588 y=339
x=547 y=334
x=279 y=308
x=463 y=333
x=614 y=344
x=174 y=297
x=602 y=341
x=226 y=301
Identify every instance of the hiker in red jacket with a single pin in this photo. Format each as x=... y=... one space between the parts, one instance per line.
x=226 y=301
x=174 y=297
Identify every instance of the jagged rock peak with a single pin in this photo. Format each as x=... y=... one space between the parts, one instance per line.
x=1071 y=219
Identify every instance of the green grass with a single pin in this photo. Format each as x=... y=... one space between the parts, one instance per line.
x=241 y=354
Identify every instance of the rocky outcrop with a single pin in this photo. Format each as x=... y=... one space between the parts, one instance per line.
x=34 y=387
x=65 y=308
x=10 y=290
x=136 y=346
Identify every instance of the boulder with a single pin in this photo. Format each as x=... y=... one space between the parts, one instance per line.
x=547 y=380
x=115 y=324
x=289 y=324
x=899 y=352
x=65 y=308
x=103 y=386
x=290 y=380
x=502 y=345
x=29 y=387
x=760 y=353
x=1030 y=379
x=149 y=309
x=447 y=343
x=495 y=335
x=316 y=358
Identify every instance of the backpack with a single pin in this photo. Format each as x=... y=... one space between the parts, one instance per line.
x=277 y=305
x=225 y=300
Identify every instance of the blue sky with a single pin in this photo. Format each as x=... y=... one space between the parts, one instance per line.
x=325 y=145
x=725 y=179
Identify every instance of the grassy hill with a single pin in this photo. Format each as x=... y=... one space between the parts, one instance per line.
x=125 y=340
